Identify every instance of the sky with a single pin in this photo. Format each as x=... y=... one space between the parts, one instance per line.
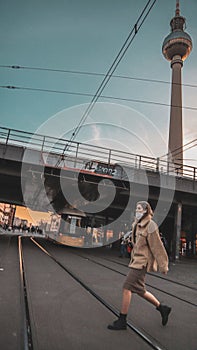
x=33 y=217
x=86 y=36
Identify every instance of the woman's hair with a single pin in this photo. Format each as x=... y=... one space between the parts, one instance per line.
x=146 y=206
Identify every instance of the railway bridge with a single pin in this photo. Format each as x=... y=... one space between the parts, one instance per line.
x=49 y=174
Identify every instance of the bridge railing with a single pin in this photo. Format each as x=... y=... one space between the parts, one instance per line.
x=62 y=152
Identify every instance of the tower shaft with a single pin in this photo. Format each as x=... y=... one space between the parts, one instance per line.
x=175 y=143
x=176 y=48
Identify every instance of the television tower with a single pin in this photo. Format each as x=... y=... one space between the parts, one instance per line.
x=176 y=48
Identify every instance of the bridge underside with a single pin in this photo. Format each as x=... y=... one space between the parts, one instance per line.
x=101 y=198
x=45 y=188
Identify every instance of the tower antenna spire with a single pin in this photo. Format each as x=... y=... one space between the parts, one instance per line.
x=177 y=12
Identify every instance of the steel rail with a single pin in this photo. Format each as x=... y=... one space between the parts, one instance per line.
x=156 y=276
x=149 y=340
x=26 y=335
x=149 y=285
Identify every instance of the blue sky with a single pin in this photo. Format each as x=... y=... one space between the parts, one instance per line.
x=86 y=36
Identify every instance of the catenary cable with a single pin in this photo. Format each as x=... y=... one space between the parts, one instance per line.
x=113 y=67
x=12 y=87
x=181 y=149
x=78 y=72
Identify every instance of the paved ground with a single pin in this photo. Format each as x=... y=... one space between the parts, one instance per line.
x=65 y=316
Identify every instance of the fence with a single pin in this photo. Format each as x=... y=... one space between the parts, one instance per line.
x=59 y=152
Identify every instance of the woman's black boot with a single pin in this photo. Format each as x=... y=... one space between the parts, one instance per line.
x=164 y=311
x=120 y=323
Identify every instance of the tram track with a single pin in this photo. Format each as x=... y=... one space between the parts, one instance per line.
x=148 y=284
x=26 y=333
x=143 y=330
x=156 y=276
x=152 y=343
x=93 y=260
x=39 y=302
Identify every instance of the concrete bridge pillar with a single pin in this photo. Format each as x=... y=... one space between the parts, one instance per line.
x=177 y=231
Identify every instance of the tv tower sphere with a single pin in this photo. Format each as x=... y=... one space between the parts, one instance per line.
x=177 y=42
x=176 y=48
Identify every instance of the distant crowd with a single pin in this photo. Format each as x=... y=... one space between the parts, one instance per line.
x=22 y=228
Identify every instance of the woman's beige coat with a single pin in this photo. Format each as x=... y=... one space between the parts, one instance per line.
x=148 y=250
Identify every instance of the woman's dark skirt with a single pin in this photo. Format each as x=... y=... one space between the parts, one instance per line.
x=135 y=281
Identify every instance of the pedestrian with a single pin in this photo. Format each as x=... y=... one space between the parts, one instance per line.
x=123 y=246
x=148 y=254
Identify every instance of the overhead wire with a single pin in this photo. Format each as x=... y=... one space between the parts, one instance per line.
x=112 y=68
x=12 y=87
x=78 y=72
x=106 y=79
x=180 y=150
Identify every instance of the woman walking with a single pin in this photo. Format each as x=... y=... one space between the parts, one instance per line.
x=148 y=254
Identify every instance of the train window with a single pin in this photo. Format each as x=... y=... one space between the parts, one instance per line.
x=70 y=224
